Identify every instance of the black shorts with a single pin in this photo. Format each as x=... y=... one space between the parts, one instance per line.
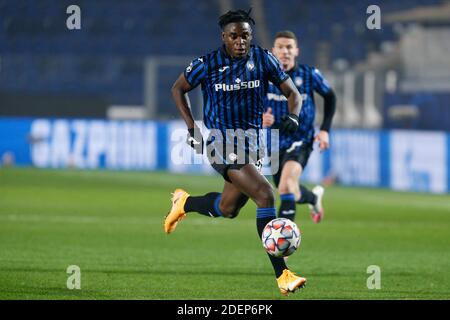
x=223 y=169
x=230 y=161
x=297 y=152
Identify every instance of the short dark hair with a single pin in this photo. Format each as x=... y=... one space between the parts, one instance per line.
x=235 y=16
x=286 y=34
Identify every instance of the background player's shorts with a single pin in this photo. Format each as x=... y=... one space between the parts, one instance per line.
x=299 y=151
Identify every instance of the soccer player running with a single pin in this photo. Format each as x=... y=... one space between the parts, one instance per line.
x=296 y=148
x=234 y=81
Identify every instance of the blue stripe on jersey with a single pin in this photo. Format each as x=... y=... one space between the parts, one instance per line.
x=210 y=118
x=307 y=80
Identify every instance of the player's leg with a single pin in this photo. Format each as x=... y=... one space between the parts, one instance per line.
x=276 y=178
x=213 y=204
x=307 y=196
x=291 y=193
x=314 y=200
x=231 y=200
x=251 y=182
x=183 y=202
x=311 y=197
x=288 y=189
x=255 y=185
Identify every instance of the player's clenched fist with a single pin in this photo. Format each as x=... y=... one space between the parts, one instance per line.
x=195 y=140
x=268 y=118
x=289 y=123
x=323 y=139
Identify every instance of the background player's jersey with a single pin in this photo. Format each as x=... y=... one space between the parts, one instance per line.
x=307 y=80
x=234 y=90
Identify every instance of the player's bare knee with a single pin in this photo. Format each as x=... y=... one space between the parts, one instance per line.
x=283 y=188
x=234 y=214
x=229 y=212
x=289 y=185
x=266 y=197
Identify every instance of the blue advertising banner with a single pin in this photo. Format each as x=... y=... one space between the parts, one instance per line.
x=397 y=159
x=90 y=144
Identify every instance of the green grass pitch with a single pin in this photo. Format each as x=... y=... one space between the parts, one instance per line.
x=110 y=224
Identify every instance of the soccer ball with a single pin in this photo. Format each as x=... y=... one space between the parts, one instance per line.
x=281 y=237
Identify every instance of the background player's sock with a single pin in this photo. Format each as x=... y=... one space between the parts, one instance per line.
x=207 y=205
x=307 y=196
x=287 y=207
x=263 y=216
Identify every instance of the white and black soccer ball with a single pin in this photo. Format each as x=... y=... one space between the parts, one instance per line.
x=281 y=237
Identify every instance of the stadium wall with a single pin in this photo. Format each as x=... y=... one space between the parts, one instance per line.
x=398 y=159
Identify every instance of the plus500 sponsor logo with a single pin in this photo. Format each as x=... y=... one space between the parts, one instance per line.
x=280 y=97
x=237 y=86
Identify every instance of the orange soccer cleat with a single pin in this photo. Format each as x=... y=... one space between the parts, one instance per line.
x=176 y=213
x=288 y=282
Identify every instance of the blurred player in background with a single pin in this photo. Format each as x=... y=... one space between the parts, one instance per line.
x=234 y=80
x=296 y=148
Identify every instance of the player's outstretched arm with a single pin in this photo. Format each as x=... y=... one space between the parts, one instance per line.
x=323 y=88
x=291 y=122
x=329 y=109
x=179 y=93
x=294 y=98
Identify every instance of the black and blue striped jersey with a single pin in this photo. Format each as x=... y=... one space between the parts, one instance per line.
x=234 y=90
x=307 y=79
